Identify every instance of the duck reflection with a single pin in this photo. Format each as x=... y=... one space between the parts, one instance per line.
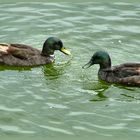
x=99 y=87
x=103 y=92
x=54 y=71
x=4 y=68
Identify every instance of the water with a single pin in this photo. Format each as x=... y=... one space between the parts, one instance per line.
x=62 y=99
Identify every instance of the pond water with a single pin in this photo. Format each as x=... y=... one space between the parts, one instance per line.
x=62 y=99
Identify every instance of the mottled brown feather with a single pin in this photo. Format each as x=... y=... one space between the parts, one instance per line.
x=22 y=55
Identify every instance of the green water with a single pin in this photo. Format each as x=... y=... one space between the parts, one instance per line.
x=62 y=99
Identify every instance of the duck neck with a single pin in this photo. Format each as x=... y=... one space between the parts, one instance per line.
x=106 y=64
x=46 y=51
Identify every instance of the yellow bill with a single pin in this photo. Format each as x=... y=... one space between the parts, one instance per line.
x=65 y=51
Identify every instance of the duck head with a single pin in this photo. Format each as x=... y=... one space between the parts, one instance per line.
x=100 y=57
x=52 y=44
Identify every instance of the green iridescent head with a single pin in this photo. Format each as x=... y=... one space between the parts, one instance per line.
x=100 y=57
x=52 y=44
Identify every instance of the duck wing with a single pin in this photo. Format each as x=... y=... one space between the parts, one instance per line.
x=20 y=51
x=132 y=80
x=127 y=69
x=127 y=74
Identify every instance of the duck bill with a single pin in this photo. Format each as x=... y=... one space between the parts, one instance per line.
x=65 y=51
x=89 y=64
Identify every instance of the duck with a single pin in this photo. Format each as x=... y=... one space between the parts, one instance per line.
x=25 y=55
x=127 y=74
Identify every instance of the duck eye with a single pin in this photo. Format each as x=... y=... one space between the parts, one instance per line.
x=60 y=43
x=56 y=46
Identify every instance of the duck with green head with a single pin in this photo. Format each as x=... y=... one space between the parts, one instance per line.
x=25 y=55
x=126 y=74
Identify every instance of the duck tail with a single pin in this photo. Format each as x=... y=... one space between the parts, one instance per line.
x=4 y=48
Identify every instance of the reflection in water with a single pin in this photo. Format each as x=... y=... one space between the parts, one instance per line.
x=130 y=97
x=54 y=71
x=3 y=68
x=131 y=88
x=99 y=87
x=100 y=96
x=128 y=94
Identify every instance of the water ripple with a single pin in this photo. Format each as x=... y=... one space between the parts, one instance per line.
x=7 y=128
x=56 y=129
x=63 y=99
x=4 y=108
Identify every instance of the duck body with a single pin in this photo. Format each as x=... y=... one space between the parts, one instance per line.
x=25 y=55
x=22 y=55
x=125 y=74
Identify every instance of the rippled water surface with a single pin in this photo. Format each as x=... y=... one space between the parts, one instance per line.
x=62 y=99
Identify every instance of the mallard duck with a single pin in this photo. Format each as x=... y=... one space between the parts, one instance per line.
x=24 y=55
x=125 y=74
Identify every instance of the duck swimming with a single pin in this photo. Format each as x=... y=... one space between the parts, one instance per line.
x=24 y=55
x=125 y=74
